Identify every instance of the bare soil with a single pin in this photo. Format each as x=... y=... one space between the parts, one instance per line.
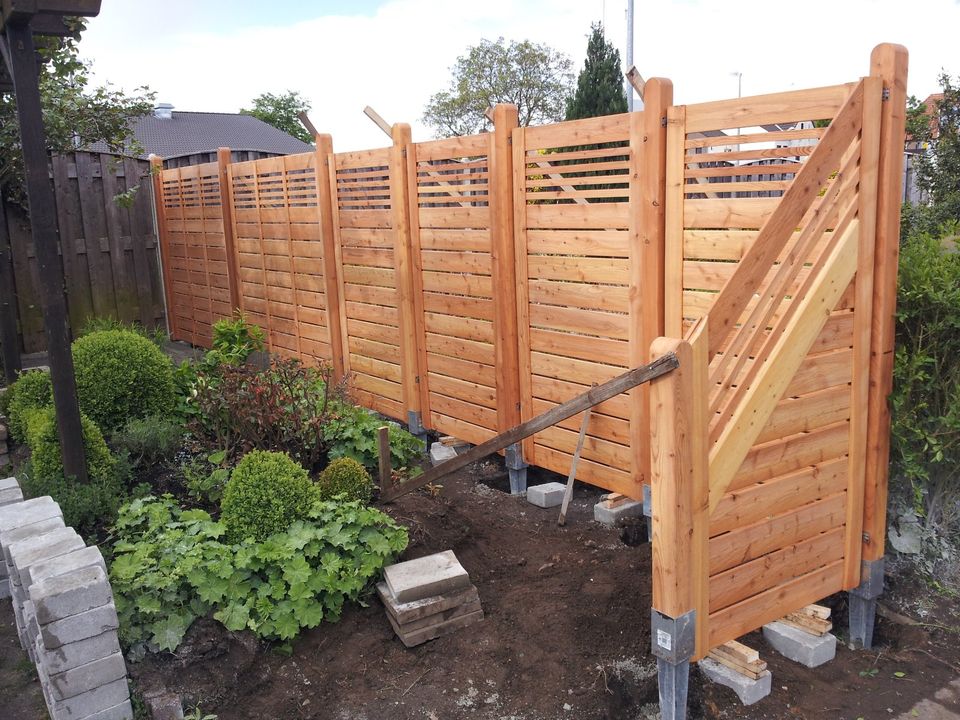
x=566 y=635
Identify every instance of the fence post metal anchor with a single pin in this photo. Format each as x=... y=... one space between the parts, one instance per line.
x=863 y=603
x=648 y=510
x=415 y=426
x=516 y=468
x=673 y=641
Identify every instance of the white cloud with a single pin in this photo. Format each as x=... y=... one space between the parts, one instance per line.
x=396 y=57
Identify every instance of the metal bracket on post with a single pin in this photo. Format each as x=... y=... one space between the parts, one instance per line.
x=415 y=426
x=648 y=510
x=673 y=641
x=863 y=603
x=517 y=468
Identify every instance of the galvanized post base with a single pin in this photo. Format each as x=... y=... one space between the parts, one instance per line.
x=648 y=511
x=863 y=603
x=415 y=426
x=673 y=641
x=517 y=469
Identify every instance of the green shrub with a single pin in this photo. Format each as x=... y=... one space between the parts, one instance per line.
x=149 y=441
x=44 y=442
x=31 y=391
x=121 y=375
x=266 y=493
x=926 y=394
x=5 y=397
x=345 y=476
x=352 y=432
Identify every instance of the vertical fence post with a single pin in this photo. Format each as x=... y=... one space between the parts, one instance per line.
x=163 y=244
x=400 y=213
x=226 y=209
x=12 y=363
x=680 y=500
x=504 y=271
x=889 y=62
x=648 y=155
x=325 y=203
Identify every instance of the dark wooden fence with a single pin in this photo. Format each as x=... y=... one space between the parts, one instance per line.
x=108 y=247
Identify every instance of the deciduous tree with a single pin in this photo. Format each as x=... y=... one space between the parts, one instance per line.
x=281 y=112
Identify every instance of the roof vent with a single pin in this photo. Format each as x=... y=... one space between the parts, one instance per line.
x=164 y=111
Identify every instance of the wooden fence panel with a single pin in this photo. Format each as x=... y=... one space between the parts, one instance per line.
x=195 y=251
x=108 y=246
x=572 y=221
x=280 y=254
x=366 y=236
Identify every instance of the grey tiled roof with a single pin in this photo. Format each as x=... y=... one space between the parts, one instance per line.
x=188 y=133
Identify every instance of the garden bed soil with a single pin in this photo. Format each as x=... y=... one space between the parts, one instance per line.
x=566 y=635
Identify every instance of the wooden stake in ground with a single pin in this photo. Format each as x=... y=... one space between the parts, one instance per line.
x=568 y=492
x=383 y=448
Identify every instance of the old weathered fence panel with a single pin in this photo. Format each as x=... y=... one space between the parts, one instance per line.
x=108 y=247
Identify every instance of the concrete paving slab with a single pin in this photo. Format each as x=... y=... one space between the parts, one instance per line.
x=546 y=495
x=426 y=577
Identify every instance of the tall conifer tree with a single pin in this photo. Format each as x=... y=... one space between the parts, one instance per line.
x=600 y=84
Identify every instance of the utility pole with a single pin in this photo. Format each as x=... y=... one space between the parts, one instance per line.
x=629 y=63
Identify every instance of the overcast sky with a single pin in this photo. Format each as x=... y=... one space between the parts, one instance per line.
x=216 y=55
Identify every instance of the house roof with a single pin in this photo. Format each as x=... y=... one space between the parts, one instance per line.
x=189 y=133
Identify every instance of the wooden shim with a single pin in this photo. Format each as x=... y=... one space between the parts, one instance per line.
x=613 y=500
x=594 y=396
x=740 y=658
x=813 y=625
x=568 y=491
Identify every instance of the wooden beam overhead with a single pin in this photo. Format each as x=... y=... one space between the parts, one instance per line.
x=636 y=80
x=22 y=11
x=379 y=121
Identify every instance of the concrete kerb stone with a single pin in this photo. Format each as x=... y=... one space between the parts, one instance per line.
x=10 y=495
x=79 y=627
x=67 y=657
x=425 y=577
x=74 y=560
x=74 y=592
x=28 y=551
x=40 y=527
x=28 y=512
x=123 y=711
x=610 y=516
x=546 y=495
x=747 y=689
x=802 y=647
x=87 y=677
x=91 y=702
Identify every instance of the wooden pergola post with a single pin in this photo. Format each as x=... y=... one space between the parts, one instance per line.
x=12 y=363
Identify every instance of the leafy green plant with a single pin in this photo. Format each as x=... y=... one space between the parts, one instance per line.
x=159 y=547
x=352 y=432
x=121 y=375
x=345 y=477
x=207 y=476
x=149 y=441
x=266 y=493
x=171 y=566
x=926 y=395
x=234 y=339
x=31 y=391
x=301 y=577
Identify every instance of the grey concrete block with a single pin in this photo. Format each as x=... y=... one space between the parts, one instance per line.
x=441 y=453
x=546 y=495
x=803 y=647
x=609 y=516
x=67 y=657
x=80 y=626
x=425 y=577
x=409 y=612
x=11 y=495
x=74 y=560
x=7 y=483
x=747 y=689
x=74 y=592
x=123 y=711
x=25 y=553
x=89 y=703
x=38 y=528
x=164 y=705
x=88 y=676
x=28 y=512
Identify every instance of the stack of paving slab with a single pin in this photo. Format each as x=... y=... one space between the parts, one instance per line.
x=429 y=597
x=64 y=609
